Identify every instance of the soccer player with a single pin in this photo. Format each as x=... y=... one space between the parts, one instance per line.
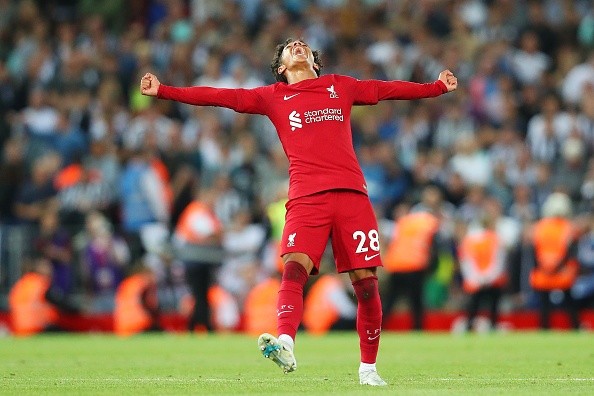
x=327 y=191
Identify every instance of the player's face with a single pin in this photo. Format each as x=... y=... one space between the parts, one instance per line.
x=297 y=52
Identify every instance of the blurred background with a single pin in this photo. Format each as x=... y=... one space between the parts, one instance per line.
x=99 y=184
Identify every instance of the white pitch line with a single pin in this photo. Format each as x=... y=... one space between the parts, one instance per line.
x=158 y=379
x=511 y=379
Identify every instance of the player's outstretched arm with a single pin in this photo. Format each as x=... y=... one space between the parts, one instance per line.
x=448 y=78
x=149 y=85
x=372 y=91
x=240 y=100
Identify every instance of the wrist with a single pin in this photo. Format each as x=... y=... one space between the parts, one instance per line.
x=441 y=84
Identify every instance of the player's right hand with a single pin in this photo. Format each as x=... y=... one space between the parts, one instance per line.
x=149 y=85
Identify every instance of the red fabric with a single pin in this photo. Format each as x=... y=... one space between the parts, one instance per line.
x=289 y=308
x=312 y=119
x=312 y=219
x=369 y=317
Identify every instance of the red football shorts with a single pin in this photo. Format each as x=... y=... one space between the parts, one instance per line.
x=345 y=216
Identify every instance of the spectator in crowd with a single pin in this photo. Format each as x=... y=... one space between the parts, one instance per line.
x=12 y=176
x=523 y=208
x=40 y=119
x=69 y=141
x=528 y=62
x=570 y=172
x=142 y=199
x=543 y=186
x=548 y=129
x=470 y=163
x=583 y=288
x=242 y=244
x=576 y=81
x=229 y=201
x=453 y=125
x=104 y=259
x=87 y=192
x=37 y=194
x=54 y=244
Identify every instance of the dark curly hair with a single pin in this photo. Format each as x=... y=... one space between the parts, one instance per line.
x=276 y=61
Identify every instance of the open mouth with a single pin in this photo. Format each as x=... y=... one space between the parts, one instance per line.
x=298 y=51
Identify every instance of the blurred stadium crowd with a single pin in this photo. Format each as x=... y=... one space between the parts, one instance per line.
x=102 y=175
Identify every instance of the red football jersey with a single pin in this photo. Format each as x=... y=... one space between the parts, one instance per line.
x=312 y=119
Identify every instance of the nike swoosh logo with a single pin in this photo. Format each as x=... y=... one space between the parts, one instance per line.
x=372 y=338
x=367 y=258
x=292 y=96
x=282 y=312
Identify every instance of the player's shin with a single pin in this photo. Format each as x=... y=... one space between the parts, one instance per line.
x=369 y=317
x=290 y=299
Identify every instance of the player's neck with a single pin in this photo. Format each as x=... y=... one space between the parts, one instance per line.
x=295 y=76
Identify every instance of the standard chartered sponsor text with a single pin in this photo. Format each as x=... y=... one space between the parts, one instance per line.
x=326 y=114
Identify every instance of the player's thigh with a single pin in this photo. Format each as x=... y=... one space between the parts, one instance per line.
x=307 y=227
x=355 y=237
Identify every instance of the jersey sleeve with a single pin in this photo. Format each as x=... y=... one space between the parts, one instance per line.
x=253 y=101
x=369 y=92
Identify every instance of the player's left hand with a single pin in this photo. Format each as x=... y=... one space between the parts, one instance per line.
x=448 y=78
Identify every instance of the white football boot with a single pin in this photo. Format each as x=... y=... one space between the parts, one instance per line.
x=371 y=377
x=279 y=352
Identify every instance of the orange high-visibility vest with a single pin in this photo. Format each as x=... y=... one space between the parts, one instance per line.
x=410 y=247
x=130 y=315
x=197 y=222
x=319 y=314
x=552 y=238
x=30 y=312
x=481 y=251
x=260 y=307
x=221 y=301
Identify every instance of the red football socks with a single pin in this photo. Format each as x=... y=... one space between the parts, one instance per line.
x=289 y=308
x=369 y=317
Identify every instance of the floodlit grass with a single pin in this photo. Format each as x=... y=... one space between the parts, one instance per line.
x=412 y=364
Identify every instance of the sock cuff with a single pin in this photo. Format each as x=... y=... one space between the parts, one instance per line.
x=295 y=272
x=360 y=281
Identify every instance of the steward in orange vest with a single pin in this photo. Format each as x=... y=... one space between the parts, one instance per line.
x=136 y=304
x=555 y=249
x=260 y=307
x=197 y=241
x=410 y=255
x=225 y=315
x=34 y=306
x=327 y=306
x=482 y=260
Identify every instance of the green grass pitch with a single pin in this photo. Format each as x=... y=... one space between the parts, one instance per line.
x=184 y=364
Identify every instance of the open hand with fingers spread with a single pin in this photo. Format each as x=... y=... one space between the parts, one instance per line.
x=448 y=78
x=149 y=85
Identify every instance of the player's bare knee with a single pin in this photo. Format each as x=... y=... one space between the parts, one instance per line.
x=300 y=258
x=362 y=273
